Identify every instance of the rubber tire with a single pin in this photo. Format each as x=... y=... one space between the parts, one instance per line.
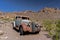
x=21 y=31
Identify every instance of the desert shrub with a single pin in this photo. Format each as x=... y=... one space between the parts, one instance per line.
x=58 y=25
x=51 y=27
x=57 y=31
x=47 y=24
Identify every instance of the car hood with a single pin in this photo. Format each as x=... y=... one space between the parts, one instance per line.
x=26 y=21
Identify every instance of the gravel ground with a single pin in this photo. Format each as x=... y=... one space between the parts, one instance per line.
x=10 y=34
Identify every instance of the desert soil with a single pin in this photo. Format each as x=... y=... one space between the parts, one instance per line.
x=11 y=34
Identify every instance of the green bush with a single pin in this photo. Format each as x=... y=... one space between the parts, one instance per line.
x=52 y=26
x=47 y=24
x=57 y=30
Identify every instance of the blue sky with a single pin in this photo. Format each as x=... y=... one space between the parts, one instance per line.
x=22 y=5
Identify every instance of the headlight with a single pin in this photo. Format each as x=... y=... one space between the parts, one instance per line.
x=36 y=25
x=29 y=24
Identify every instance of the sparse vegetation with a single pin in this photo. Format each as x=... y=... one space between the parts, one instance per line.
x=53 y=27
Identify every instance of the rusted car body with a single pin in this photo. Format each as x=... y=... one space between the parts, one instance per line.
x=23 y=24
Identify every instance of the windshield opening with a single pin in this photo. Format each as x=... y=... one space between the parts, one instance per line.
x=25 y=18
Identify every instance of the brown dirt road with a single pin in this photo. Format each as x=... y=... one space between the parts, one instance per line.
x=10 y=34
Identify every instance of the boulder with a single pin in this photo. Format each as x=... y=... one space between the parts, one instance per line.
x=1 y=32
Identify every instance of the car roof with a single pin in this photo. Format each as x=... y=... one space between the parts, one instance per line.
x=22 y=16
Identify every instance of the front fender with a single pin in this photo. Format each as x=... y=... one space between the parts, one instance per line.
x=26 y=28
x=13 y=23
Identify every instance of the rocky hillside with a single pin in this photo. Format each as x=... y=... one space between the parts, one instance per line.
x=50 y=13
x=45 y=13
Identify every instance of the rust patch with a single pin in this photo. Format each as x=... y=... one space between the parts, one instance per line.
x=26 y=28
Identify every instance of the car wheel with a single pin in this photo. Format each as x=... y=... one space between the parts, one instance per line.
x=21 y=31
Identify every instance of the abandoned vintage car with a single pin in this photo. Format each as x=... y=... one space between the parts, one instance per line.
x=23 y=24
